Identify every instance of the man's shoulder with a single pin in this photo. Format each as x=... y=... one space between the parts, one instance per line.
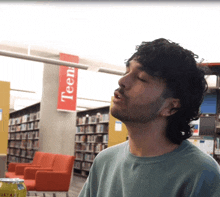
x=204 y=170
x=113 y=151
x=201 y=160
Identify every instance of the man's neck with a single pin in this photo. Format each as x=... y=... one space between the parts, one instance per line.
x=149 y=140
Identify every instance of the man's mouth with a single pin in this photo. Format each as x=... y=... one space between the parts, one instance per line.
x=118 y=95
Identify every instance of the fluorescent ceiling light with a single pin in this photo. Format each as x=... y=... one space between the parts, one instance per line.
x=110 y=71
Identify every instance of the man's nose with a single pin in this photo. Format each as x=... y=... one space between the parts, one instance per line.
x=125 y=81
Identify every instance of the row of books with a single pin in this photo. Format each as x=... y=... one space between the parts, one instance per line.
x=83 y=147
x=89 y=157
x=99 y=128
x=97 y=138
x=12 y=158
x=91 y=138
x=20 y=152
x=82 y=165
x=14 y=144
x=100 y=147
x=19 y=136
x=23 y=144
x=85 y=157
x=86 y=165
x=105 y=138
x=13 y=151
x=79 y=156
x=85 y=129
x=93 y=119
x=21 y=157
x=32 y=144
x=24 y=126
x=84 y=173
x=103 y=117
x=24 y=118
x=90 y=147
x=77 y=165
x=30 y=153
x=80 y=138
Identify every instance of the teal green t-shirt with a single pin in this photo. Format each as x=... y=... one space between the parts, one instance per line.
x=184 y=172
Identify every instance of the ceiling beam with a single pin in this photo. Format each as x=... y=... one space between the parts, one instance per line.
x=42 y=59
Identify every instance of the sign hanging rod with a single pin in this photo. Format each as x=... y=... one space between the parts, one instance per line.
x=43 y=60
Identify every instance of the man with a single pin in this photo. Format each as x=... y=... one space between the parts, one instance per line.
x=160 y=93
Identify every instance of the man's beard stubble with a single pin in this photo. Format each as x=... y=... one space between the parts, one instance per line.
x=133 y=114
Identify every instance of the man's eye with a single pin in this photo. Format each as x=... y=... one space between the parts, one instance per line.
x=142 y=79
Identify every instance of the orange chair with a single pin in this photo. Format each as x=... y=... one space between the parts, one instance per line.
x=55 y=180
x=46 y=162
x=12 y=166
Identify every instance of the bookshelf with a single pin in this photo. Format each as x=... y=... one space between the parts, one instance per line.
x=23 y=134
x=91 y=137
x=206 y=134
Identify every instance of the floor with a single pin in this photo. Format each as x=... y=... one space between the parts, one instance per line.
x=76 y=186
x=74 y=190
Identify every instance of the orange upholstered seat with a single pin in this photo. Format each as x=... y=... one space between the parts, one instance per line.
x=30 y=184
x=57 y=179
x=12 y=166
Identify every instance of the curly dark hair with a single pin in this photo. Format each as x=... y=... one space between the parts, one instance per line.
x=184 y=79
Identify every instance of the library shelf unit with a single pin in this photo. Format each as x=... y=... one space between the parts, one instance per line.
x=23 y=134
x=91 y=137
x=207 y=136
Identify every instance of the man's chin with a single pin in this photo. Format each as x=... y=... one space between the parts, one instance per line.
x=118 y=115
x=115 y=113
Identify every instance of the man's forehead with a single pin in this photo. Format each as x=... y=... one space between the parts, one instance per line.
x=140 y=67
x=136 y=63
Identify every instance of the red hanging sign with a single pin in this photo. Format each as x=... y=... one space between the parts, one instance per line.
x=67 y=93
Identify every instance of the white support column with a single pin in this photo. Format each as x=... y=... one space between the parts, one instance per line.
x=57 y=128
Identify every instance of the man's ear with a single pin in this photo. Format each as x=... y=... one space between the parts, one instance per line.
x=175 y=106
x=172 y=107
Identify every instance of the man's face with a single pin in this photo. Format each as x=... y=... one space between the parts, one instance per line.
x=138 y=98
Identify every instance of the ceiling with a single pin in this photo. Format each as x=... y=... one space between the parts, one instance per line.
x=105 y=32
x=109 y=31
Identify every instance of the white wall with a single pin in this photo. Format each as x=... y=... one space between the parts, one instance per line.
x=95 y=85
x=22 y=75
